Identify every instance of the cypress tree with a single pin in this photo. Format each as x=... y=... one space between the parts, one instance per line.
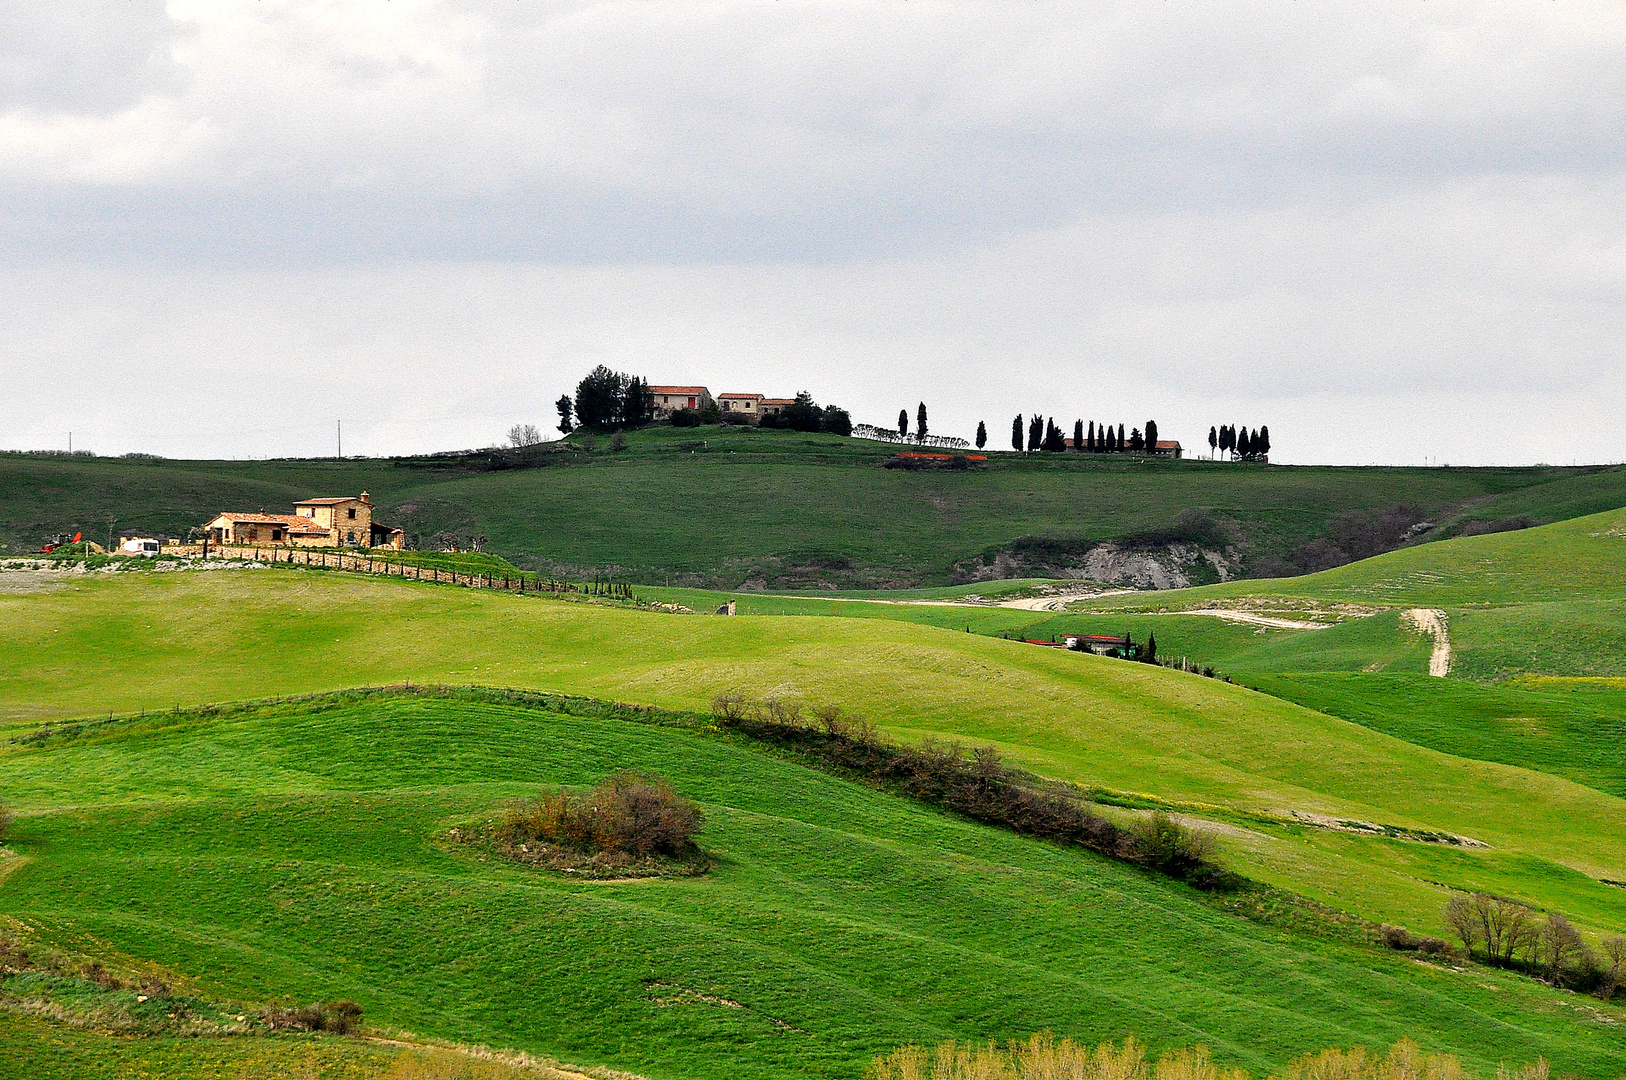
x=1016 y=433
x=1089 y=440
x=982 y=435
x=903 y=422
x=1213 y=440
x=1078 y=435
x=1120 y=438
x=1149 y=654
x=1035 y=432
x=1264 y=439
x=1151 y=436
x=920 y=423
x=1244 y=444
x=1136 y=442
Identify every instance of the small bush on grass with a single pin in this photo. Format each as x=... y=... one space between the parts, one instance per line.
x=335 y=1018
x=5 y=822
x=630 y=824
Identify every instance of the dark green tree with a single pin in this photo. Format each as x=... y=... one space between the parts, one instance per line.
x=1078 y=436
x=920 y=423
x=599 y=398
x=1120 y=438
x=1016 y=433
x=903 y=422
x=1035 y=433
x=1149 y=653
x=637 y=403
x=1213 y=440
x=1136 y=442
x=802 y=414
x=982 y=435
x=567 y=409
x=1264 y=440
x=1244 y=445
x=1089 y=440
x=1054 y=441
x=836 y=421
x=1151 y=436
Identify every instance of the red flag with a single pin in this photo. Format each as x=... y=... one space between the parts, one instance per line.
x=76 y=536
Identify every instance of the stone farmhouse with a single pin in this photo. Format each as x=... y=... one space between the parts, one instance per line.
x=341 y=522
x=669 y=399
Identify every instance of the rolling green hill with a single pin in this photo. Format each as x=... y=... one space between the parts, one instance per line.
x=723 y=507
x=301 y=850
x=1247 y=760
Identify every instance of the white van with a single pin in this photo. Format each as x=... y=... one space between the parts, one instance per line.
x=139 y=545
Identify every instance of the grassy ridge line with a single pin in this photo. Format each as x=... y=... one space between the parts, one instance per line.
x=752 y=504
x=294 y=851
x=150 y=641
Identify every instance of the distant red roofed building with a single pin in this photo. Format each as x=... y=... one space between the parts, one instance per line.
x=669 y=399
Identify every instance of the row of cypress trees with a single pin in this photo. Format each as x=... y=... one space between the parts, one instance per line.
x=1042 y=433
x=1240 y=442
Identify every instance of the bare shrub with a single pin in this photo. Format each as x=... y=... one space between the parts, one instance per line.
x=1436 y=947
x=1043 y=1057
x=1397 y=937
x=1505 y=929
x=96 y=973
x=5 y=822
x=730 y=705
x=1558 y=947
x=335 y=1017
x=632 y=812
x=1404 y=1061
x=1613 y=967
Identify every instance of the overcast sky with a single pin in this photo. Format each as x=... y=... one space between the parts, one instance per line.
x=1394 y=232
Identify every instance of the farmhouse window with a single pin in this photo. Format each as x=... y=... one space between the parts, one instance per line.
x=352 y=514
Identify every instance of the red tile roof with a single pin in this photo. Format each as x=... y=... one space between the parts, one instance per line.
x=685 y=391
x=755 y=397
x=294 y=522
x=324 y=502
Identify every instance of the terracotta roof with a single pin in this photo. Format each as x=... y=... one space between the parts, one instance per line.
x=779 y=401
x=294 y=522
x=684 y=390
x=325 y=502
x=756 y=397
x=1168 y=444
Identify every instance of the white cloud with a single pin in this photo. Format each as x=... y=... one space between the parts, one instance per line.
x=245 y=212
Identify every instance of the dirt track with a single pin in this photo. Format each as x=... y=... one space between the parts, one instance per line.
x=1431 y=621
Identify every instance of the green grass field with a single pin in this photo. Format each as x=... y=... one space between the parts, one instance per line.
x=149 y=641
x=719 y=507
x=299 y=850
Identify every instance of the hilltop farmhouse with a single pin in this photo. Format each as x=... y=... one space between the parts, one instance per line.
x=340 y=522
x=669 y=399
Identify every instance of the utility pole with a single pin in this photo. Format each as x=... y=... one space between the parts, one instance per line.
x=340 y=427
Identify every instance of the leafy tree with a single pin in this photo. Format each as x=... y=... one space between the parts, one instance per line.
x=1035 y=433
x=1151 y=436
x=836 y=421
x=566 y=409
x=1016 y=433
x=903 y=422
x=1136 y=442
x=1078 y=435
x=1213 y=440
x=982 y=434
x=599 y=398
x=920 y=423
x=802 y=414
